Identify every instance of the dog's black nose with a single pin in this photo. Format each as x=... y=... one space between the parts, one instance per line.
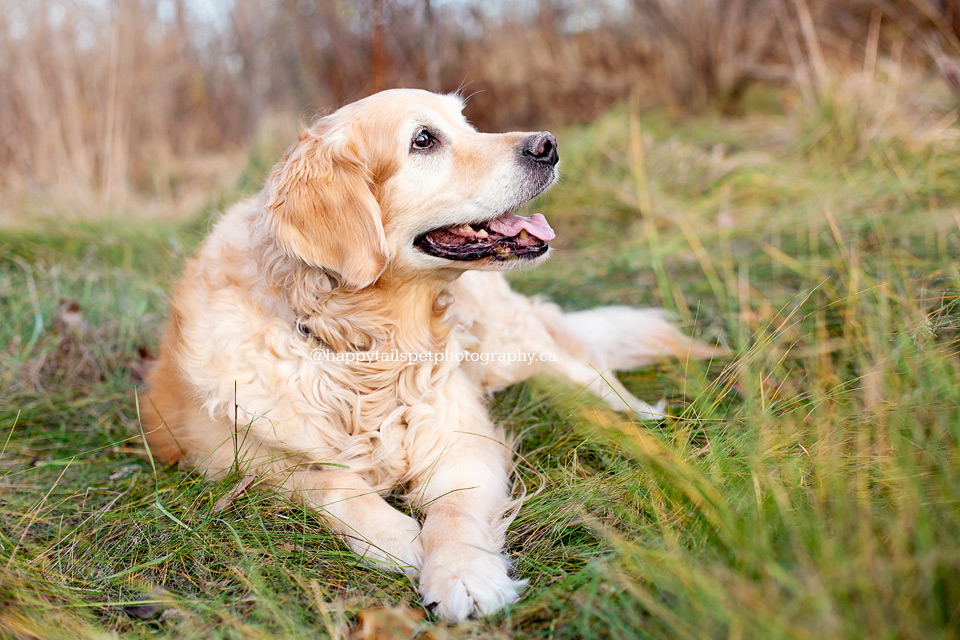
x=542 y=147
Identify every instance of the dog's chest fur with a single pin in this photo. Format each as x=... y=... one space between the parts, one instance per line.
x=388 y=410
x=366 y=416
x=299 y=397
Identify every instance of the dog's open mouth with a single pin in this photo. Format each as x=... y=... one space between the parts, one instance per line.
x=504 y=238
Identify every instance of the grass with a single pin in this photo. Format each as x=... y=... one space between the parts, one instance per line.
x=807 y=487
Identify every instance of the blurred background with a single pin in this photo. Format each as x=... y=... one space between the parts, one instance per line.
x=147 y=104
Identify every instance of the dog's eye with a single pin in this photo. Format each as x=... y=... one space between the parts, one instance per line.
x=423 y=140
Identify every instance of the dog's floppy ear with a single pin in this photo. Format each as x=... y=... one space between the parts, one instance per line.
x=322 y=211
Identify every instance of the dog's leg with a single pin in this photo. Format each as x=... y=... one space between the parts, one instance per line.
x=623 y=338
x=463 y=495
x=381 y=535
x=606 y=386
x=615 y=339
x=586 y=347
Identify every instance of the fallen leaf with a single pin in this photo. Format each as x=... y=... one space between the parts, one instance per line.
x=235 y=493
x=396 y=623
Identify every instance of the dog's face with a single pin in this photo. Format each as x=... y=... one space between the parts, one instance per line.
x=401 y=181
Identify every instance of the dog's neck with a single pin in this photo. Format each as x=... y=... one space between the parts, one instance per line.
x=407 y=314
x=403 y=311
x=404 y=314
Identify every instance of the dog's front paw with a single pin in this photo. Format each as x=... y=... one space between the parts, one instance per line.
x=459 y=582
x=394 y=546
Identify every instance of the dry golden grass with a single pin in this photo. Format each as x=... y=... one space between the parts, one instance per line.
x=139 y=104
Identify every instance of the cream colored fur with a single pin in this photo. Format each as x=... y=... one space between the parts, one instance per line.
x=322 y=263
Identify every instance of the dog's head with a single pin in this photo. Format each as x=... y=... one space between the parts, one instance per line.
x=401 y=181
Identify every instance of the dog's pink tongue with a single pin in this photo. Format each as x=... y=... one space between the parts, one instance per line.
x=511 y=224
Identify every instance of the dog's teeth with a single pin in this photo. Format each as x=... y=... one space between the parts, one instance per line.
x=523 y=235
x=466 y=228
x=482 y=233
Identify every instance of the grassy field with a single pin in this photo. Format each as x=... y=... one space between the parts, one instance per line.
x=805 y=487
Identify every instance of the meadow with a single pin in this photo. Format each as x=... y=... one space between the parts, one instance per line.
x=805 y=486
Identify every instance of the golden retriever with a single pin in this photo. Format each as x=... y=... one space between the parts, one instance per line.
x=337 y=333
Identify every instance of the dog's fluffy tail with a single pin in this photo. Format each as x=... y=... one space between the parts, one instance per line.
x=623 y=338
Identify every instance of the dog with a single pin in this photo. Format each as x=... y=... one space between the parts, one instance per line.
x=338 y=333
